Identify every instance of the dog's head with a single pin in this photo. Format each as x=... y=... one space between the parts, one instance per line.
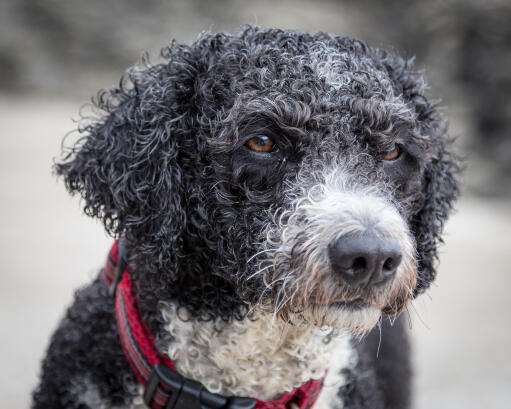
x=307 y=174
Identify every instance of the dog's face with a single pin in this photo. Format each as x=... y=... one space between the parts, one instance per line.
x=304 y=174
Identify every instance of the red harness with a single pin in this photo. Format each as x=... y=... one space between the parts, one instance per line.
x=164 y=387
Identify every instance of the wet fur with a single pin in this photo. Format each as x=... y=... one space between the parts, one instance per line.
x=165 y=165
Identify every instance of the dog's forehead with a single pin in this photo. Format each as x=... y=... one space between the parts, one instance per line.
x=342 y=64
x=348 y=72
x=338 y=76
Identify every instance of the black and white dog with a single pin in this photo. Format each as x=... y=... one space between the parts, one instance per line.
x=280 y=195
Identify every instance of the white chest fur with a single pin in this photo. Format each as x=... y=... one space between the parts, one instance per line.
x=260 y=357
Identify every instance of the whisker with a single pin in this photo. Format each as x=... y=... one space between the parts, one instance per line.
x=258 y=253
x=258 y=272
x=379 y=340
x=419 y=316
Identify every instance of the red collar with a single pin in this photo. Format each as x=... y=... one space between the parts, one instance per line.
x=164 y=387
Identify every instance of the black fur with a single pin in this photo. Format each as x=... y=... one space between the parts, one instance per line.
x=166 y=166
x=382 y=377
x=85 y=349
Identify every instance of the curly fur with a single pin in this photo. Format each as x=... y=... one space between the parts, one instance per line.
x=231 y=359
x=165 y=164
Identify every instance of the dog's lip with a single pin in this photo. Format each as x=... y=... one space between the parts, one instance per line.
x=356 y=304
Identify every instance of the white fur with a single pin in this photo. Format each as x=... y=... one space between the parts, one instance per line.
x=138 y=402
x=329 y=397
x=259 y=357
x=87 y=393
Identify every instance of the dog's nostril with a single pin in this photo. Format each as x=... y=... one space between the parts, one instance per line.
x=363 y=260
x=359 y=265
x=389 y=265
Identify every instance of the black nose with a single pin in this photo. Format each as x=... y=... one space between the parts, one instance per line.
x=364 y=260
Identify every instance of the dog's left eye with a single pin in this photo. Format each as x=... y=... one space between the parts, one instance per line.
x=392 y=154
x=260 y=143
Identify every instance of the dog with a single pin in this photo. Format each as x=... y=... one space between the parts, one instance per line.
x=279 y=197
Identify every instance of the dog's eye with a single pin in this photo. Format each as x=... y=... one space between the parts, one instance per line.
x=260 y=143
x=392 y=154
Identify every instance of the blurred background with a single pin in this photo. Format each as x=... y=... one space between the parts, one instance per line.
x=56 y=54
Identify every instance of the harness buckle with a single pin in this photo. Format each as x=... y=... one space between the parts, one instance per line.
x=167 y=389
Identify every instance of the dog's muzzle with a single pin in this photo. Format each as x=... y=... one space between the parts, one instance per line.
x=342 y=248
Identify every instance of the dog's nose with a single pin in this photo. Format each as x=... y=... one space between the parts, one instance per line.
x=364 y=260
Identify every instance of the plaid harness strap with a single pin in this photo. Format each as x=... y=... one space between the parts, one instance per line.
x=164 y=387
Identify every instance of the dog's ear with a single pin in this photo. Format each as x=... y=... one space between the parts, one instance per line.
x=440 y=177
x=440 y=189
x=129 y=164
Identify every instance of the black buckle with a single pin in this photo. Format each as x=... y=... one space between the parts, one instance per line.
x=186 y=393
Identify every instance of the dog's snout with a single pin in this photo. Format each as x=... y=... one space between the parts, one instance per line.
x=364 y=260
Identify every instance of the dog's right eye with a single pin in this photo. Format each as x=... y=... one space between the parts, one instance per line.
x=260 y=143
x=391 y=154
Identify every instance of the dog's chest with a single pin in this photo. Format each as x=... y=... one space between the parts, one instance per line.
x=259 y=357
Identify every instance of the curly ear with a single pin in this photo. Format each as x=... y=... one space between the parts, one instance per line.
x=440 y=177
x=440 y=189
x=128 y=166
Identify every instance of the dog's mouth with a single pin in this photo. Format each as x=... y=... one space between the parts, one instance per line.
x=356 y=304
x=352 y=305
x=344 y=307
x=356 y=316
